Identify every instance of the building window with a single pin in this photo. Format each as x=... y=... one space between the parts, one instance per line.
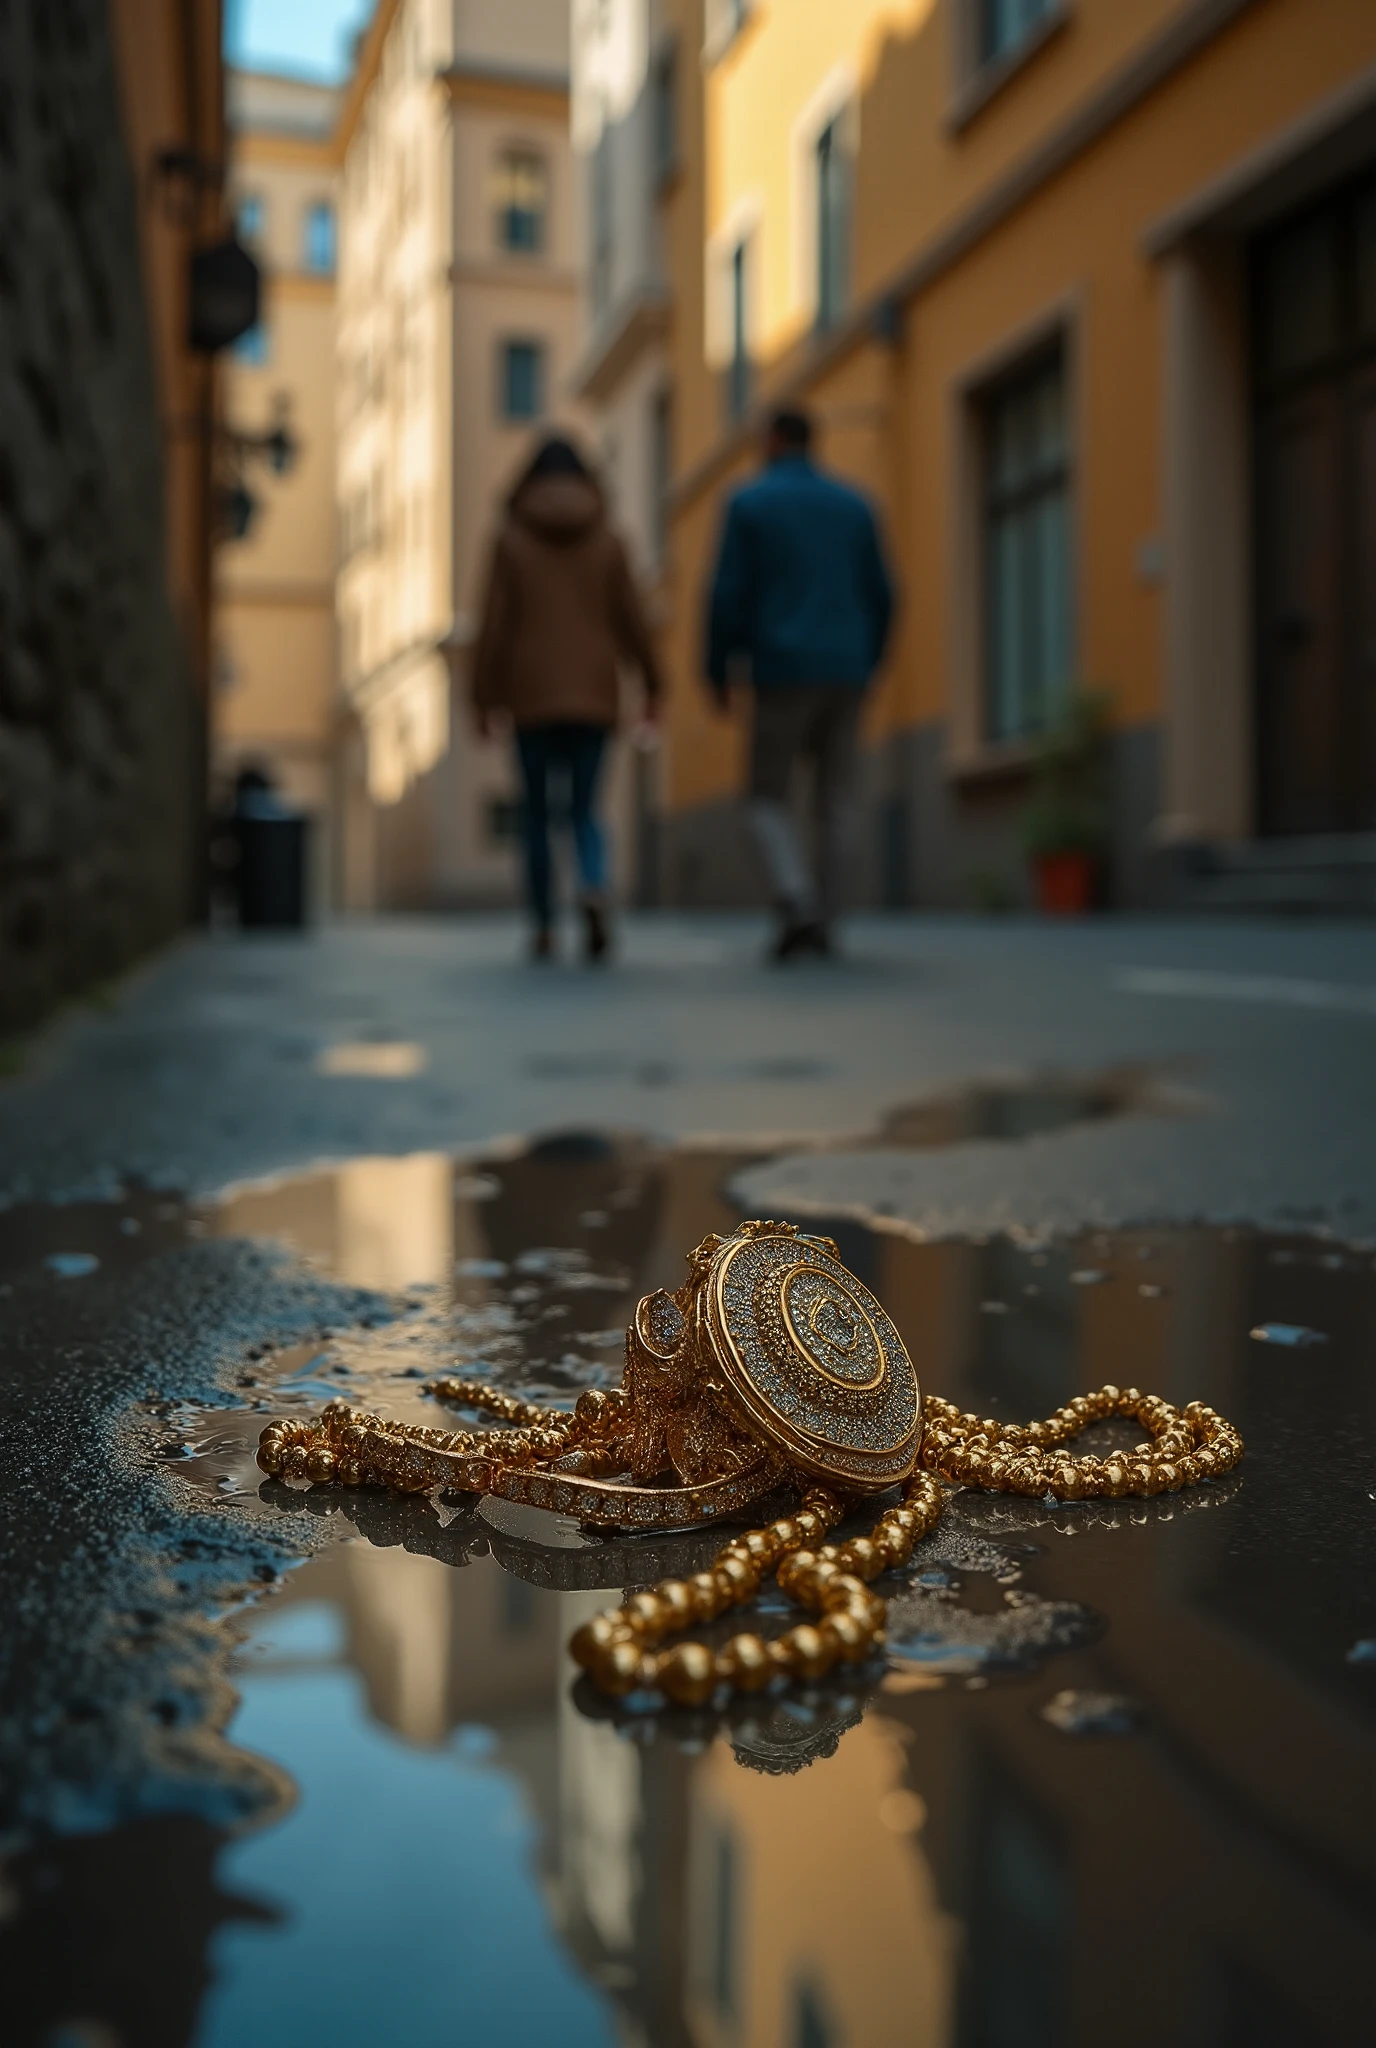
x=254 y=347
x=600 y=282
x=318 y=238
x=522 y=395
x=1026 y=514
x=661 y=471
x=251 y=220
x=664 y=113
x=834 y=185
x=522 y=201
x=738 y=378
x=1004 y=25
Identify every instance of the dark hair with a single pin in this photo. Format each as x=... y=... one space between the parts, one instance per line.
x=792 y=429
x=554 y=457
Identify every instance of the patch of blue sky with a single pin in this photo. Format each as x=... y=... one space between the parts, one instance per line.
x=303 y=38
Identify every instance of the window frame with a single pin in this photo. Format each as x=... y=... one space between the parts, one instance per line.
x=833 y=261
x=251 y=221
x=976 y=79
x=971 y=755
x=510 y=155
x=507 y=345
x=312 y=212
x=738 y=376
x=1007 y=508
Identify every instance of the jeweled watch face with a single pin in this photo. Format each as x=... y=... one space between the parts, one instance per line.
x=813 y=1362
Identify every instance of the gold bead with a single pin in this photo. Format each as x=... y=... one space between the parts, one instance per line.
x=860 y=1557
x=1115 y=1477
x=843 y=1587
x=688 y=1674
x=810 y=1656
x=320 y=1464
x=893 y=1546
x=738 y=1576
x=707 y=1596
x=592 y=1408
x=811 y=1524
x=588 y=1643
x=786 y=1534
x=294 y=1462
x=847 y=1635
x=794 y=1567
x=746 y=1662
x=620 y=1667
x=676 y=1601
x=270 y=1454
x=647 y=1615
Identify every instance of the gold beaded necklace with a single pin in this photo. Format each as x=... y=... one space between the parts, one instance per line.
x=771 y=1365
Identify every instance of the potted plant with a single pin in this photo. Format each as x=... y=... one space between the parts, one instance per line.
x=1065 y=827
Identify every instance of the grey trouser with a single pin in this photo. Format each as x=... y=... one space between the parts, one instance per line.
x=817 y=723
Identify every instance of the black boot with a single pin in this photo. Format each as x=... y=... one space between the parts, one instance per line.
x=801 y=938
x=597 y=938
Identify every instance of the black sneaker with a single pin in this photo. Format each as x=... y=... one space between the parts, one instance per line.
x=800 y=939
x=597 y=938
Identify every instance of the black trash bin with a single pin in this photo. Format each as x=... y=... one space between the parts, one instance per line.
x=272 y=860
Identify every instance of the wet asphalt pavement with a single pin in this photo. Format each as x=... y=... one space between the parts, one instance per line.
x=274 y=1761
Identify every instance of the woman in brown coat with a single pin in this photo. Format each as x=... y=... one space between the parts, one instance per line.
x=560 y=618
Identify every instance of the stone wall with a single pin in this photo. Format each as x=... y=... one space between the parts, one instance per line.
x=97 y=739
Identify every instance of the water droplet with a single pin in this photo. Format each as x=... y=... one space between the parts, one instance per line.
x=1293 y=1334
x=1363 y=1652
x=993 y=1308
x=1088 y=1276
x=71 y=1265
x=1083 y=1711
x=1150 y=1289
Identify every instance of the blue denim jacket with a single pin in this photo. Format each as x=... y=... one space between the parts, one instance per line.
x=801 y=588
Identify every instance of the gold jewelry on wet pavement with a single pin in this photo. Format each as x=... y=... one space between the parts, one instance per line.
x=772 y=1364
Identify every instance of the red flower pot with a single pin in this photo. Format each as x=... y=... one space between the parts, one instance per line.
x=1065 y=883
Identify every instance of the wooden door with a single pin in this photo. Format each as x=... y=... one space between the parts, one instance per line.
x=1314 y=470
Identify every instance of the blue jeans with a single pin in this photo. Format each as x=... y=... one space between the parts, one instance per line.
x=574 y=754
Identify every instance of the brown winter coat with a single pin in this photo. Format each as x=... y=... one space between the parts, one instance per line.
x=561 y=614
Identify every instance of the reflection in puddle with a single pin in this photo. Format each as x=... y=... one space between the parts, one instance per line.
x=1096 y=1722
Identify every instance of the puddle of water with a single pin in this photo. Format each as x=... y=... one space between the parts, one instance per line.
x=919 y=1851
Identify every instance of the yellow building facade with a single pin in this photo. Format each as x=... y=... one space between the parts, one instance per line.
x=1083 y=292
x=457 y=327
x=275 y=673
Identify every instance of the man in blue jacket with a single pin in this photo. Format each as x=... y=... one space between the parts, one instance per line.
x=802 y=600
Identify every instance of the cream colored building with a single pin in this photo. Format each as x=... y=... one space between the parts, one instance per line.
x=274 y=676
x=458 y=321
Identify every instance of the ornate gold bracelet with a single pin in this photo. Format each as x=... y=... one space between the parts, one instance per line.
x=772 y=1364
